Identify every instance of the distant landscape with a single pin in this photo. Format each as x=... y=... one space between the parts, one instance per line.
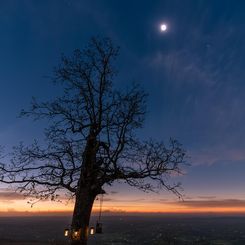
x=118 y=230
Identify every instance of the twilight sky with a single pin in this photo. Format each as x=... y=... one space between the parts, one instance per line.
x=194 y=74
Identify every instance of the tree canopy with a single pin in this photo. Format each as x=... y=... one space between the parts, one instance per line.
x=92 y=109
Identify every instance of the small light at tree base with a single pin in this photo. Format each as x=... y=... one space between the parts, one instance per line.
x=76 y=234
x=163 y=27
x=66 y=232
x=92 y=231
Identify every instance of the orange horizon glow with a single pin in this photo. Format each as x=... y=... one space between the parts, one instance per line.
x=19 y=208
x=131 y=203
x=125 y=213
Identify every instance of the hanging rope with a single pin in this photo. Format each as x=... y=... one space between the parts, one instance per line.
x=101 y=203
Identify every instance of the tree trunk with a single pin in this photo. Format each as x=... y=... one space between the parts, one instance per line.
x=81 y=216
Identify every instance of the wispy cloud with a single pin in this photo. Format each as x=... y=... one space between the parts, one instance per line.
x=137 y=200
x=203 y=79
x=182 y=68
x=222 y=203
x=10 y=196
x=207 y=197
x=216 y=154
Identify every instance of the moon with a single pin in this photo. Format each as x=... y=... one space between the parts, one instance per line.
x=163 y=27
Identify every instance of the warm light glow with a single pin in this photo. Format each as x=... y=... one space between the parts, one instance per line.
x=92 y=231
x=66 y=232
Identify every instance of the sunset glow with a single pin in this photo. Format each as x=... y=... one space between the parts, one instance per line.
x=20 y=207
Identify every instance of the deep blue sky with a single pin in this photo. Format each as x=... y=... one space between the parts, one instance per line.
x=194 y=73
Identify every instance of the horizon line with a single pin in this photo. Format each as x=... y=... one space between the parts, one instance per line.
x=119 y=213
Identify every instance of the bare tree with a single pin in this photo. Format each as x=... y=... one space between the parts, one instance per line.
x=91 y=139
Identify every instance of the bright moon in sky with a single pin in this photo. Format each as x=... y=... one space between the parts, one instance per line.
x=163 y=27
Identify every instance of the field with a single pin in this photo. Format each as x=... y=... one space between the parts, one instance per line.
x=121 y=230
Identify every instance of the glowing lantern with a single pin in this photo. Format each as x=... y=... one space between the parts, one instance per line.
x=92 y=231
x=66 y=232
x=75 y=234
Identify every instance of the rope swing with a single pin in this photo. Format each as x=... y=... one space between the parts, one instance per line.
x=101 y=203
x=98 y=223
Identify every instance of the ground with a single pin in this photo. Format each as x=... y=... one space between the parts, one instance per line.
x=123 y=230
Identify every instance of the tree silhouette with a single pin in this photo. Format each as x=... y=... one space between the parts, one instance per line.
x=91 y=140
